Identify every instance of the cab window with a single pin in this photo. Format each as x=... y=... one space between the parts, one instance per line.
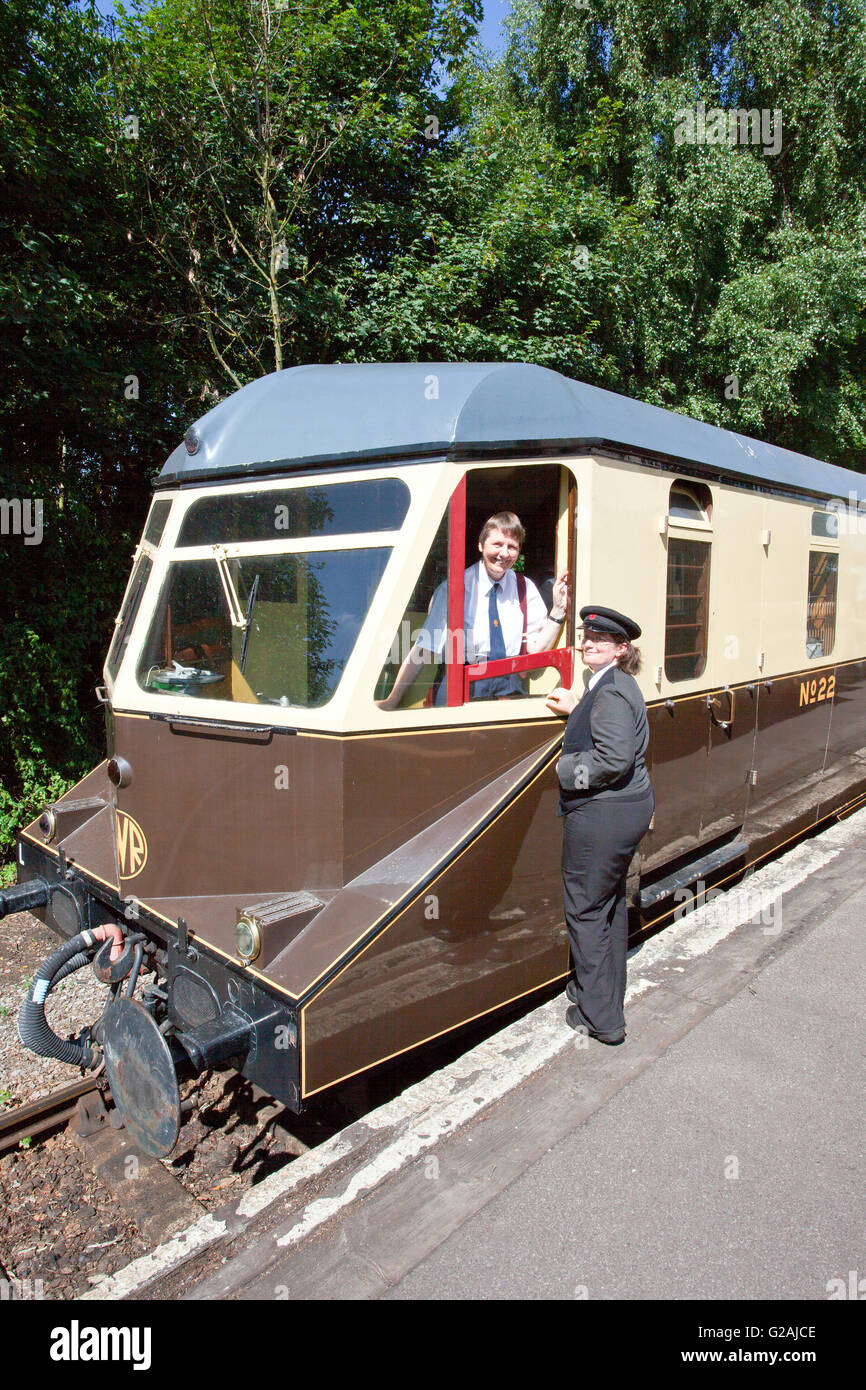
x=268 y=629
x=429 y=664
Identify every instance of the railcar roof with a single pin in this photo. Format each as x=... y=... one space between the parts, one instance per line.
x=348 y=413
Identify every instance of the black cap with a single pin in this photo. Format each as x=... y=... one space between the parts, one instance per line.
x=608 y=620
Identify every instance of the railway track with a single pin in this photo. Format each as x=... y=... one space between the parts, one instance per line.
x=46 y=1113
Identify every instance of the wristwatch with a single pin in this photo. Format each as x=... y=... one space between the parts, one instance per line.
x=557 y=617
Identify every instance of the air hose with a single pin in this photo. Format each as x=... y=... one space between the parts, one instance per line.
x=33 y=1027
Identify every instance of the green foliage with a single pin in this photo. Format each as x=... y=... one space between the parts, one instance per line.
x=564 y=223
x=315 y=181
x=277 y=145
x=82 y=314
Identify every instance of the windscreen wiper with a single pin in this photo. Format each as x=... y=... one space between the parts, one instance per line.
x=249 y=621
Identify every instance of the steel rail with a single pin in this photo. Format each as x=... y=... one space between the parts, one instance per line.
x=48 y=1112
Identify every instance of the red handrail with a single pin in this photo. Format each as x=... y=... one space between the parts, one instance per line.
x=560 y=657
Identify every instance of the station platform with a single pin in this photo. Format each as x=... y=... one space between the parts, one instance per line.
x=718 y=1154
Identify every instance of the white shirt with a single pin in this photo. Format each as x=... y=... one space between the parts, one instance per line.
x=476 y=614
x=597 y=675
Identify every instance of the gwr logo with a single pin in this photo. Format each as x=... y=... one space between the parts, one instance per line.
x=131 y=846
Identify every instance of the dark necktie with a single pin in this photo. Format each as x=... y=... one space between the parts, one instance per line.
x=497 y=642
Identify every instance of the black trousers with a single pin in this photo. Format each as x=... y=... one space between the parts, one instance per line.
x=599 y=840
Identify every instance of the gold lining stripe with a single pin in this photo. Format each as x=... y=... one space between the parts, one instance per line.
x=755 y=680
x=170 y=921
x=73 y=863
x=273 y=985
x=204 y=941
x=163 y=717
x=422 y=1041
x=104 y=763
x=760 y=679
x=533 y=774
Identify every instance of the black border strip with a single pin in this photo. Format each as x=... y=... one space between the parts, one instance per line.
x=465 y=452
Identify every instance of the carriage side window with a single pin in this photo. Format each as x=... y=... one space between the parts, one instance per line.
x=686 y=506
x=688 y=582
x=440 y=658
x=543 y=496
x=826 y=525
x=686 y=615
x=821 y=608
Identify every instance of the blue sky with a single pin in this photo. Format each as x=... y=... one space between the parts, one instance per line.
x=491 y=30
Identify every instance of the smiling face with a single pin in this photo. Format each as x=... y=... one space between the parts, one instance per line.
x=598 y=649
x=498 y=551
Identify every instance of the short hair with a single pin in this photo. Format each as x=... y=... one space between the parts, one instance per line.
x=507 y=523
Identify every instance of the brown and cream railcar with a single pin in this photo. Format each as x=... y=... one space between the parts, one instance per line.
x=321 y=884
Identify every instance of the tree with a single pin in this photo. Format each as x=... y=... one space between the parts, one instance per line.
x=568 y=223
x=149 y=264
x=277 y=153
x=91 y=398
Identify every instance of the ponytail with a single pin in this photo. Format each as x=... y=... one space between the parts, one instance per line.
x=631 y=660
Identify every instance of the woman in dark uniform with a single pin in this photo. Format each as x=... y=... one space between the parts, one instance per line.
x=606 y=802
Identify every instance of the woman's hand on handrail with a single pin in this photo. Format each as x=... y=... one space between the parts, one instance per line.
x=561 y=701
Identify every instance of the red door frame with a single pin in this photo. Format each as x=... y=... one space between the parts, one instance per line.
x=458 y=675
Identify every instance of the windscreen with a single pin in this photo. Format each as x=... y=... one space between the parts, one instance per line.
x=274 y=514
x=126 y=618
x=260 y=629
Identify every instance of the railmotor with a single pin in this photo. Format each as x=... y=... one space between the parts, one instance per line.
x=275 y=868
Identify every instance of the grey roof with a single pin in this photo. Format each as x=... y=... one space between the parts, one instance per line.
x=351 y=412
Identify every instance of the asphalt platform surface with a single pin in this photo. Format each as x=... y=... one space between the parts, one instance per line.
x=730 y=1168
x=718 y=1154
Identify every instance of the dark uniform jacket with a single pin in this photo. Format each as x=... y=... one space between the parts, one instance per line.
x=605 y=741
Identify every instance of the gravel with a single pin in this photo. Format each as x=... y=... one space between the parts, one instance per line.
x=24 y=944
x=60 y=1229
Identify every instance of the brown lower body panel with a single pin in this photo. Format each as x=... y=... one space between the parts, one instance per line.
x=490 y=928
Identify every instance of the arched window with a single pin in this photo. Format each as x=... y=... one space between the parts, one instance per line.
x=687 y=504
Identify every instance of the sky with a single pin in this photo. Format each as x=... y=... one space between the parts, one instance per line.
x=491 y=31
